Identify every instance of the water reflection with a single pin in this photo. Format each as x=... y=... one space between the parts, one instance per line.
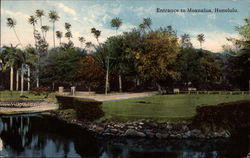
x=43 y=136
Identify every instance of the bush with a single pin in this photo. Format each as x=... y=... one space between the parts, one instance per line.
x=233 y=116
x=40 y=91
x=86 y=109
x=65 y=102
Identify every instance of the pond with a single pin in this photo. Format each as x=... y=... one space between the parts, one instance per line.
x=44 y=136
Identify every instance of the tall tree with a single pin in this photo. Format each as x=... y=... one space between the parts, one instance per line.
x=32 y=20
x=90 y=73
x=53 y=16
x=45 y=29
x=96 y=33
x=82 y=40
x=11 y=23
x=185 y=41
x=201 y=39
x=157 y=57
x=59 y=36
x=39 y=15
x=147 y=22
x=115 y=23
x=237 y=66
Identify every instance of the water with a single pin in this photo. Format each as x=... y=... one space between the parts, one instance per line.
x=44 y=136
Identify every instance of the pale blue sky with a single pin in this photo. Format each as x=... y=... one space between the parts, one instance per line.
x=83 y=15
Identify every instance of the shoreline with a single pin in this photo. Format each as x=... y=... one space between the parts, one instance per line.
x=31 y=106
x=141 y=129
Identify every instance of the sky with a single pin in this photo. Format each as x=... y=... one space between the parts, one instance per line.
x=85 y=14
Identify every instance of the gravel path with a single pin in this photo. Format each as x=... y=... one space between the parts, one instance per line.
x=48 y=105
x=40 y=107
x=117 y=96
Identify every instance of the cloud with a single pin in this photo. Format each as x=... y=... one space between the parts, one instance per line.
x=15 y=15
x=65 y=8
x=181 y=14
x=211 y=16
x=142 y=11
x=213 y=39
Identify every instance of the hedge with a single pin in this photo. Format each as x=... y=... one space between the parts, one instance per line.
x=86 y=109
x=65 y=102
x=233 y=116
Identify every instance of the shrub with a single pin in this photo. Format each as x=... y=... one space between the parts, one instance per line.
x=40 y=91
x=65 y=102
x=86 y=109
x=233 y=116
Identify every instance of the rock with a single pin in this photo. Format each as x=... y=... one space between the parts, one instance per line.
x=172 y=136
x=130 y=132
x=141 y=123
x=99 y=129
x=227 y=134
x=130 y=127
x=165 y=135
x=179 y=136
x=169 y=127
x=141 y=134
x=134 y=133
x=113 y=130
x=150 y=134
x=187 y=134
x=185 y=128
x=158 y=135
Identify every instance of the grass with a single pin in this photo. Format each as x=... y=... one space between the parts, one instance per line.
x=16 y=95
x=174 y=108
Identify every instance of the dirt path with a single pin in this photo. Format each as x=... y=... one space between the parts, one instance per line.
x=117 y=96
x=52 y=105
x=41 y=107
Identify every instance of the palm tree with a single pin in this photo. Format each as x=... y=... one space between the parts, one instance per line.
x=11 y=59
x=88 y=44
x=59 y=36
x=115 y=23
x=147 y=22
x=45 y=29
x=32 y=20
x=96 y=33
x=53 y=18
x=11 y=23
x=142 y=27
x=39 y=14
x=185 y=41
x=201 y=39
x=82 y=40
x=67 y=26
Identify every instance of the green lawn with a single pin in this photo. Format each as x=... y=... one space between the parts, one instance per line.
x=16 y=95
x=163 y=107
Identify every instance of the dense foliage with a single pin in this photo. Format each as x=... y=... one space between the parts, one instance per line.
x=86 y=109
x=143 y=57
x=233 y=116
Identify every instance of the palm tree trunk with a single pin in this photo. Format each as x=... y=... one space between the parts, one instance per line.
x=107 y=78
x=11 y=78
x=17 y=37
x=34 y=34
x=22 y=74
x=28 y=78
x=54 y=34
x=120 y=82
x=41 y=28
x=37 y=81
x=17 y=80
